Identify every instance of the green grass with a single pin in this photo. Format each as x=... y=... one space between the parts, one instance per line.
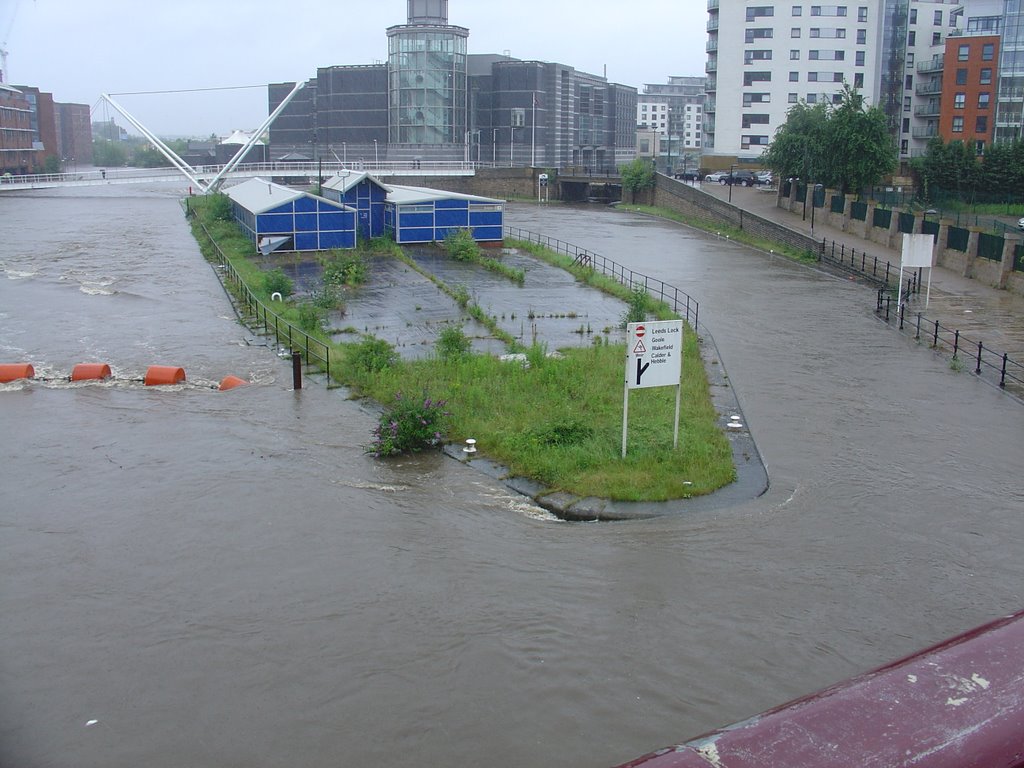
x=733 y=233
x=557 y=421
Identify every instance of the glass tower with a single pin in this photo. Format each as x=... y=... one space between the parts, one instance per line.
x=427 y=71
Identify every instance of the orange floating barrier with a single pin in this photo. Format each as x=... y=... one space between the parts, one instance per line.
x=90 y=372
x=163 y=375
x=230 y=382
x=14 y=371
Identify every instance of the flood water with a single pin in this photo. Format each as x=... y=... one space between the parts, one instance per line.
x=199 y=578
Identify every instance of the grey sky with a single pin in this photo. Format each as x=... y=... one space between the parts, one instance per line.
x=78 y=49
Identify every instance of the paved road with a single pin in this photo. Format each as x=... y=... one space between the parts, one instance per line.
x=980 y=312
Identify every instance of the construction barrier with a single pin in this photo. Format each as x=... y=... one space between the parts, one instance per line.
x=14 y=371
x=230 y=382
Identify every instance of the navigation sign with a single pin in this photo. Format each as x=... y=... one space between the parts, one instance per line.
x=654 y=356
x=658 y=362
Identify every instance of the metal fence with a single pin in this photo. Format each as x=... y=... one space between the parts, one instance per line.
x=261 y=318
x=680 y=302
x=996 y=366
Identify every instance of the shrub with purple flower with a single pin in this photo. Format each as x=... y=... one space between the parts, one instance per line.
x=410 y=425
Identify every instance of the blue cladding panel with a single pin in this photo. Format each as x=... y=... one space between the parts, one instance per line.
x=305 y=204
x=452 y=218
x=274 y=224
x=487 y=233
x=451 y=205
x=306 y=241
x=485 y=218
x=416 y=235
x=416 y=220
x=305 y=222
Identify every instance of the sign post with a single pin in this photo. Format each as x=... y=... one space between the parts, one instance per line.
x=654 y=356
x=917 y=253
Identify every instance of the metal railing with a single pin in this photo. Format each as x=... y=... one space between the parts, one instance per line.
x=986 y=362
x=678 y=301
x=259 y=316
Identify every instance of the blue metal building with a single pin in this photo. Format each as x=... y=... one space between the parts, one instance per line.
x=363 y=192
x=420 y=215
x=275 y=217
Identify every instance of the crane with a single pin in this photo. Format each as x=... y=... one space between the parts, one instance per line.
x=4 y=77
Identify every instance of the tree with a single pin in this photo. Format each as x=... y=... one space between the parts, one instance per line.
x=637 y=175
x=108 y=153
x=846 y=146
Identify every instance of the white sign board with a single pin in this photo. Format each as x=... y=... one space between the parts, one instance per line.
x=917 y=251
x=654 y=354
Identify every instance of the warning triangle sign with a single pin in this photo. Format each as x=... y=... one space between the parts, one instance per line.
x=639 y=349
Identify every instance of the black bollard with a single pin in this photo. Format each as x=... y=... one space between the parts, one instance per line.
x=296 y=370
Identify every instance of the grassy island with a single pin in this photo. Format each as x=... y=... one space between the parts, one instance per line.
x=553 y=418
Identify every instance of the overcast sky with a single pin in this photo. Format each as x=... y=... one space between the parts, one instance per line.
x=79 y=49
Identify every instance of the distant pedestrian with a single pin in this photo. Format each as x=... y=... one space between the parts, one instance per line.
x=103 y=173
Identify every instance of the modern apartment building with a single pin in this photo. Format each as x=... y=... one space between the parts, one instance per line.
x=762 y=59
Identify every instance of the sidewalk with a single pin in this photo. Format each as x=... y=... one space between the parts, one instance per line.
x=980 y=312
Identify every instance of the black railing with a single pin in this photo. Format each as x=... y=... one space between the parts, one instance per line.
x=964 y=351
x=678 y=301
x=260 y=318
x=861 y=263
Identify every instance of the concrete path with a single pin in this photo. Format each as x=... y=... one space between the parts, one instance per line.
x=980 y=312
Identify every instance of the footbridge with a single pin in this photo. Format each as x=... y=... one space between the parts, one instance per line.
x=290 y=172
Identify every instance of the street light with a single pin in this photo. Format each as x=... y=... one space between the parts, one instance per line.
x=730 y=181
x=494 y=148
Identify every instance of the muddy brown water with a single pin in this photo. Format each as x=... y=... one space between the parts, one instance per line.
x=202 y=578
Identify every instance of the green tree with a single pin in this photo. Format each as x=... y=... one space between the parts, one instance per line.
x=798 y=148
x=108 y=153
x=637 y=176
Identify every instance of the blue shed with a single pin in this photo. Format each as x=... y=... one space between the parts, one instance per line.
x=360 y=190
x=275 y=217
x=421 y=215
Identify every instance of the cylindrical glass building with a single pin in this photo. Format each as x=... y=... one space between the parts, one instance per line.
x=427 y=70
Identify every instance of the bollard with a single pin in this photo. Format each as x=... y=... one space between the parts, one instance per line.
x=296 y=370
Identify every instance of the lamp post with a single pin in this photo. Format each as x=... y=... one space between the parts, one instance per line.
x=344 y=153
x=494 y=147
x=731 y=167
x=376 y=157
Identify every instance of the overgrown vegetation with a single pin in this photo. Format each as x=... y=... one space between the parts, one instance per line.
x=637 y=176
x=954 y=171
x=460 y=245
x=557 y=420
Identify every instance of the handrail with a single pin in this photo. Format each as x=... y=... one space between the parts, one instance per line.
x=285 y=334
x=679 y=301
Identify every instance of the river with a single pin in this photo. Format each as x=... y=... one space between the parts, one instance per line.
x=200 y=578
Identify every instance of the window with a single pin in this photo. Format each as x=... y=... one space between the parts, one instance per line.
x=828 y=10
x=906 y=125
x=984 y=100
x=862 y=37
x=908 y=82
x=959 y=101
x=759 y=11
x=862 y=14
x=858 y=80
x=798 y=10
x=794 y=32
x=961 y=76
x=979 y=147
x=793 y=98
x=759 y=34
x=958 y=125
x=986 y=77
x=963 y=53
x=913 y=15
x=910 y=59
x=912 y=38
x=988 y=51
x=752 y=56
x=937 y=19
x=904 y=148
x=749 y=78
x=749 y=120
x=936 y=38
x=981 y=124
x=794 y=77
x=794 y=55
x=837 y=98
x=812 y=98
x=753 y=141
x=859 y=58
x=906 y=103
x=830 y=33
x=756 y=98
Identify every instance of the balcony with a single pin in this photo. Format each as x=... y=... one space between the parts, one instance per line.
x=713 y=24
x=931 y=109
x=934 y=64
x=925 y=89
x=712 y=65
x=928 y=132
x=712 y=5
x=712 y=46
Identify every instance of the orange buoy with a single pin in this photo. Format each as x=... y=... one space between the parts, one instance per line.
x=230 y=382
x=15 y=371
x=90 y=372
x=162 y=375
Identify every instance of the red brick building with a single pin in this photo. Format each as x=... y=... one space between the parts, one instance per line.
x=970 y=79
x=16 y=150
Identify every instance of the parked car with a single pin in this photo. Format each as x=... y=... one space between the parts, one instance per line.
x=688 y=175
x=1020 y=224
x=740 y=177
x=764 y=177
x=717 y=176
